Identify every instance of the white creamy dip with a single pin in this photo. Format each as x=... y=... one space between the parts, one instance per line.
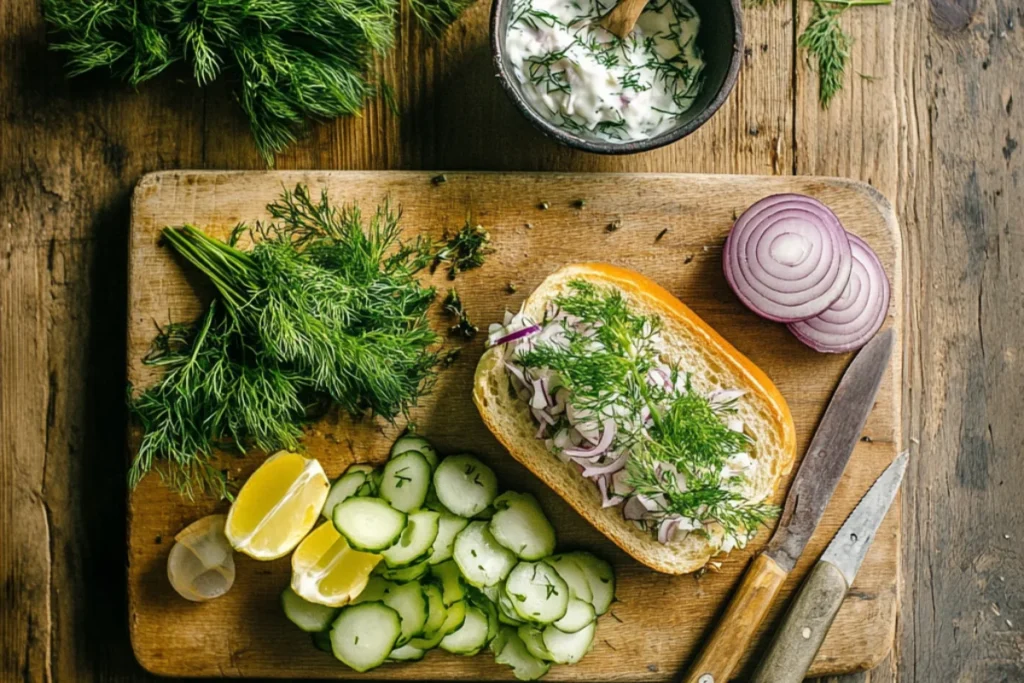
x=586 y=80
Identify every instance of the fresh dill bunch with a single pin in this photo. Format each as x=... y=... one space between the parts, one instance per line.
x=829 y=45
x=287 y=61
x=215 y=392
x=465 y=250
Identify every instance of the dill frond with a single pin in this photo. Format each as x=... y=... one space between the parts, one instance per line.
x=465 y=250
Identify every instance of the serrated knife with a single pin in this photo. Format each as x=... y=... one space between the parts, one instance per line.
x=823 y=465
x=822 y=593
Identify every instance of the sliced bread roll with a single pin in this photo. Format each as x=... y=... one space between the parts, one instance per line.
x=687 y=342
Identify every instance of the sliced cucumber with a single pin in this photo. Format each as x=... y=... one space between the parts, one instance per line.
x=322 y=641
x=308 y=616
x=600 y=577
x=456 y=617
x=436 y=611
x=519 y=524
x=405 y=481
x=429 y=641
x=577 y=616
x=434 y=503
x=365 y=634
x=533 y=638
x=492 y=593
x=416 y=540
x=481 y=601
x=449 y=526
x=568 y=648
x=368 y=523
x=363 y=467
x=482 y=560
x=408 y=600
x=506 y=611
x=411 y=442
x=404 y=574
x=573 y=574
x=469 y=638
x=374 y=591
x=514 y=652
x=537 y=592
x=448 y=575
x=371 y=487
x=465 y=485
x=343 y=487
x=406 y=653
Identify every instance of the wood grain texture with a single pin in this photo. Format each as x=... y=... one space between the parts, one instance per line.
x=243 y=634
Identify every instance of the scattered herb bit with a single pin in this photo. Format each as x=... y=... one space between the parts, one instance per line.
x=615 y=617
x=512 y=288
x=356 y=641
x=661 y=234
x=610 y=645
x=449 y=358
x=453 y=306
x=464 y=251
x=614 y=225
x=529 y=226
x=159 y=540
x=439 y=179
x=543 y=206
x=580 y=203
x=325 y=308
x=688 y=259
x=286 y=63
x=829 y=45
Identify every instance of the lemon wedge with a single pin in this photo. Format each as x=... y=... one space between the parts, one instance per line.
x=277 y=506
x=327 y=571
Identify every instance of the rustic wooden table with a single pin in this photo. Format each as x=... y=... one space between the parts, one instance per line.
x=927 y=117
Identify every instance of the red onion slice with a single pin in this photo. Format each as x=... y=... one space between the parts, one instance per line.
x=634 y=509
x=607 y=501
x=612 y=467
x=858 y=314
x=787 y=258
x=602 y=446
x=515 y=335
x=667 y=528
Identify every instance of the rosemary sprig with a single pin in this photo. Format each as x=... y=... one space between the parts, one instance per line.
x=829 y=45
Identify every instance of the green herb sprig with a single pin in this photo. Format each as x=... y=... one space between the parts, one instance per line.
x=287 y=61
x=465 y=250
x=323 y=309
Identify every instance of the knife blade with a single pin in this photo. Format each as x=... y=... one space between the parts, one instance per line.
x=808 y=619
x=819 y=473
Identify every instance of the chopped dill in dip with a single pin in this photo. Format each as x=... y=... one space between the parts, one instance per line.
x=583 y=78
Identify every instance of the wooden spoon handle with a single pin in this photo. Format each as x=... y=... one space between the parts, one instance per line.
x=623 y=16
x=735 y=630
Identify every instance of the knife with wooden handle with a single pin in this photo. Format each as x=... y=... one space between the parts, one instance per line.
x=823 y=591
x=823 y=465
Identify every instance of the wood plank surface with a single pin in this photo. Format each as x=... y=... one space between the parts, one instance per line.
x=244 y=633
x=938 y=133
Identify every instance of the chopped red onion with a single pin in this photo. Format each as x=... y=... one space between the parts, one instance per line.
x=667 y=528
x=607 y=501
x=542 y=417
x=609 y=468
x=620 y=483
x=540 y=430
x=634 y=509
x=539 y=399
x=516 y=372
x=788 y=258
x=514 y=335
x=602 y=446
x=853 y=320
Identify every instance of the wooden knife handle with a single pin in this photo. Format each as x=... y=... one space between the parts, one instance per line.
x=735 y=630
x=804 y=626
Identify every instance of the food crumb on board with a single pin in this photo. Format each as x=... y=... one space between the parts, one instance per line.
x=439 y=179
x=867 y=439
x=529 y=226
x=661 y=234
x=512 y=288
x=652 y=667
x=580 y=203
x=614 y=225
x=543 y=206
x=159 y=540
x=689 y=257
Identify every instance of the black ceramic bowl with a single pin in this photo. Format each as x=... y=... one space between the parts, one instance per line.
x=720 y=38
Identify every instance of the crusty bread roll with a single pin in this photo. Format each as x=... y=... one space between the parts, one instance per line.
x=689 y=342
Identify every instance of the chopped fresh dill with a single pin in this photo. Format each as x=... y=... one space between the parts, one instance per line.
x=465 y=250
x=453 y=307
x=606 y=368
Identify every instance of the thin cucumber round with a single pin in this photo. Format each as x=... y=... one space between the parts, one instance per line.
x=406 y=653
x=455 y=618
x=416 y=540
x=410 y=572
x=365 y=634
x=436 y=611
x=322 y=641
x=600 y=577
x=574 y=577
x=308 y=616
x=537 y=592
x=465 y=485
x=506 y=611
x=368 y=523
x=363 y=467
x=568 y=648
x=405 y=481
x=469 y=638
x=452 y=587
x=408 y=600
x=481 y=559
x=344 y=487
x=533 y=638
x=374 y=590
x=524 y=665
x=577 y=616
x=448 y=527
x=411 y=442
x=519 y=524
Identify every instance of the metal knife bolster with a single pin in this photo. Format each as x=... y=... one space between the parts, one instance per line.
x=830 y=450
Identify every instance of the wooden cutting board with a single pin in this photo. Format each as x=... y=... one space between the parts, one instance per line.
x=671 y=228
